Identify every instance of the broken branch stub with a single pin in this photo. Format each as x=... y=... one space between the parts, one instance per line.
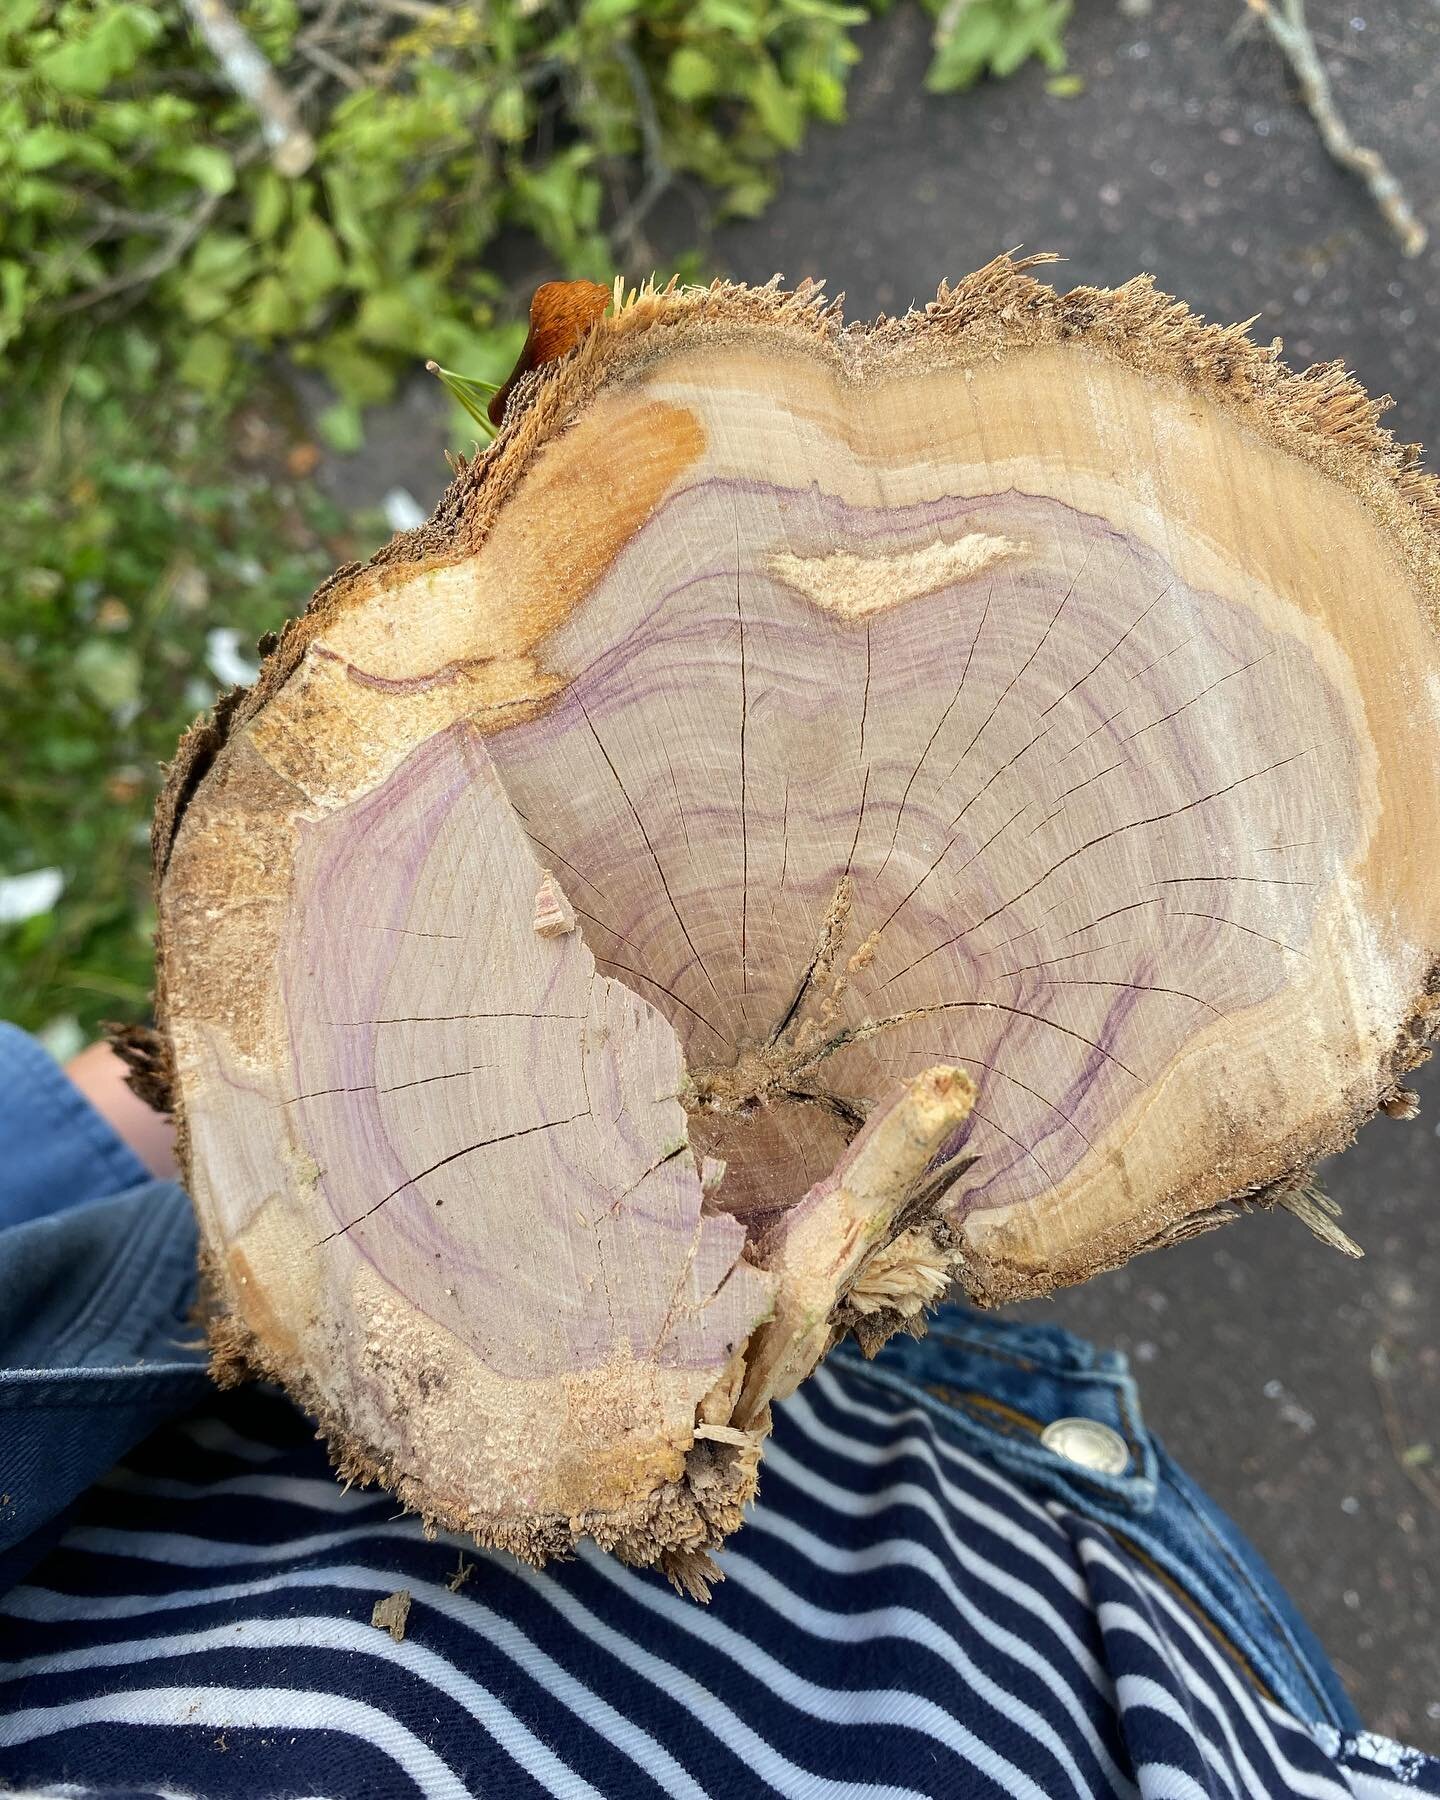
x=576 y=952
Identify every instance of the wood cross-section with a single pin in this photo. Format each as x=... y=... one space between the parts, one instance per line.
x=779 y=720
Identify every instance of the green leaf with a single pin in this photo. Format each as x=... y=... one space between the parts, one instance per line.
x=42 y=147
x=18 y=17
x=691 y=74
x=87 y=382
x=89 y=63
x=997 y=37
x=748 y=197
x=827 y=11
x=777 y=106
x=351 y=209
x=360 y=376
x=207 y=165
x=207 y=362
x=389 y=318
x=141 y=353
x=473 y=396
x=269 y=204
x=509 y=115
x=13 y=285
x=219 y=265
x=312 y=263
x=109 y=672
x=272 y=310
x=733 y=18
x=341 y=427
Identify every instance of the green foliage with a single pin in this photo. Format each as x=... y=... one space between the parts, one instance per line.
x=126 y=536
x=131 y=174
x=994 y=37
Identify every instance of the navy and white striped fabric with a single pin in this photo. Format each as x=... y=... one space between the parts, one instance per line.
x=899 y=1619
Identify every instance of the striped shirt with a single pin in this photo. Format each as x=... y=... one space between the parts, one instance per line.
x=900 y=1618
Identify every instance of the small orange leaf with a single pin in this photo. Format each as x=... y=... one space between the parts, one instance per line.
x=560 y=315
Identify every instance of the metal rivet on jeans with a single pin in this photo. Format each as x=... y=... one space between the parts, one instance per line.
x=1089 y=1443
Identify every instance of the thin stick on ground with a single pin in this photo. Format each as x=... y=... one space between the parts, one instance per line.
x=1285 y=21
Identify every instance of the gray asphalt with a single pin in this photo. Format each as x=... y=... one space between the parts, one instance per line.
x=1300 y=1388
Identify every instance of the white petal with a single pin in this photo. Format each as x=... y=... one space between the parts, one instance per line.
x=402 y=510
x=26 y=896
x=224 y=659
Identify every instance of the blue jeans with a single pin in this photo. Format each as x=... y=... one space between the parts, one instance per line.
x=97 y=1278
x=1004 y=1383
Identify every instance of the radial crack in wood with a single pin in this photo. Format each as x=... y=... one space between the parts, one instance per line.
x=576 y=951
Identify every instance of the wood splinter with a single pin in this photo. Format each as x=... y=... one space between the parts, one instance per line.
x=818 y=814
x=554 y=915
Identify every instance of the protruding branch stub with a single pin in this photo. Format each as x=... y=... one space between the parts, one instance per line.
x=577 y=952
x=825 y=1245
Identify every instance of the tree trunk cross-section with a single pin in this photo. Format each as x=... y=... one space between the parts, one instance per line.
x=819 y=813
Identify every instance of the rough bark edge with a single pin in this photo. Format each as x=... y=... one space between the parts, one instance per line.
x=1004 y=1283
x=683 y=1522
x=1321 y=415
x=884 y=1191
x=147 y=1055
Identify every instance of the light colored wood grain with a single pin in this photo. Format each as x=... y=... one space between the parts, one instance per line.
x=1041 y=687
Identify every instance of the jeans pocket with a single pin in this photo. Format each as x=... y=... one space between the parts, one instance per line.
x=1063 y=1419
x=1059 y=1414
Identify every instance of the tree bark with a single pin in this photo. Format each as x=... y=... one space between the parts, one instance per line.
x=577 y=951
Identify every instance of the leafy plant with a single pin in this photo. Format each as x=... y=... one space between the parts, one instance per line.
x=136 y=551
x=994 y=37
x=131 y=175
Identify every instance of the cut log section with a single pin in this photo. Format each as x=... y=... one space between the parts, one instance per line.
x=819 y=812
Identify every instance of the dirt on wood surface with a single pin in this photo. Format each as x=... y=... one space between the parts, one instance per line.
x=1301 y=1389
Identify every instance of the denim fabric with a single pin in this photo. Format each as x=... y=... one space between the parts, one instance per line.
x=1006 y=1382
x=55 y=1149
x=97 y=1275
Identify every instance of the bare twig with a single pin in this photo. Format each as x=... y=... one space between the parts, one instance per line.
x=1285 y=21
x=183 y=234
x=413 y=9
x=657 y=171
x=332 y=65
x=292 y=149
x=182 y=231
x=463 y=1571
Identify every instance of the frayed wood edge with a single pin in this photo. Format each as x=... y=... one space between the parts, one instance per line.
x=148 y=1060
x=898 y=1265
x=1322 y=415
x=675 y=1528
